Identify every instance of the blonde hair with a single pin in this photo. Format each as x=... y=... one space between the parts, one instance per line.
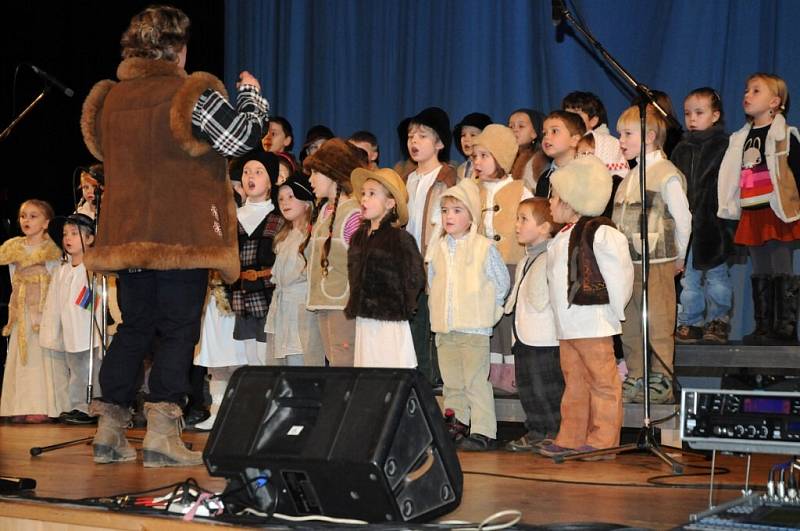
x=776 y=85
x=158 y=32
x=655 y=122
x=43 y=206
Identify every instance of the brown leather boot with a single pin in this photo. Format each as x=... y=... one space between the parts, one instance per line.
x=162 y=443
x=110 y=444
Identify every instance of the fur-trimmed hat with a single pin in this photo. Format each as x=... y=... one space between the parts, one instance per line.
x=501 y=143
x=336 y=159
x=585 y=184
x=300 y=185
x=475 y=119
x=392 y=182
x=436 y=119
x=269 y=160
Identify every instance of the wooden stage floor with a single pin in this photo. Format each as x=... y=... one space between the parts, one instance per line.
x=635 y=489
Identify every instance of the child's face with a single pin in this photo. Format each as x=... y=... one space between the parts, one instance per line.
x=698 y=114
x=584 y=148
x=485 y=166
x=87 y=190
x=74 y=241
x=283 y=173
x=423 y=143
x=376 y=201
x=558 y=141
x=468 y=132
x=590 y=123
x=455 y=217
x=630 y=140
x=521 y=126
x=275 y=140
x=322 y=185
x=291 y=207
x=759 y=100
x=255 y=181
x=32 y=221
x=529 y=231
x=559 y=210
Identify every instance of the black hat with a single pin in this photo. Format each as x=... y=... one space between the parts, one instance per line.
x=436 y=119
x=56 y=226
x=402 y=135
x=300 y=185
x=269 y=160
x=475 y=119
x=315 y=133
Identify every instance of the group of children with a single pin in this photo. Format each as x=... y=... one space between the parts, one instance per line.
x=524 y=257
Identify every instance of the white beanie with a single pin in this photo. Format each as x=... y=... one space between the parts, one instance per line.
x=585 y=184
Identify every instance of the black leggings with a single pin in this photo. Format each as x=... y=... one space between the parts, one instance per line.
x=772 y=258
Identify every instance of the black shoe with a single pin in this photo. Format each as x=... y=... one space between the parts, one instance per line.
x=195 y=416
x=67 y=415
x=78 y=417
x=477 y=443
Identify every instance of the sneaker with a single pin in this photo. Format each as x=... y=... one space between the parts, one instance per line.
x=586 y=449
x=455 y=428
x=688 y=335
x=477 y=442
x=716 y=332
x=660 y=389
x=554 y=450
x=632 y=389
x=526 y=443
x=78 y=417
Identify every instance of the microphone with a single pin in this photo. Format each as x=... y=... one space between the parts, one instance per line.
x=558 y=12
x=68 y=92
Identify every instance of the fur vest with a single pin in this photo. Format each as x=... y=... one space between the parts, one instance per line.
x=386 y=274
x=586 y=283
x=168 y=203
x=699 y=156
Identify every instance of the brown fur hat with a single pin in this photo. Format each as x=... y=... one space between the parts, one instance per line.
x=337 y=159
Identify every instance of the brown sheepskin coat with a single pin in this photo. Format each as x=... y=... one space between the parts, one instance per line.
x=167 y=202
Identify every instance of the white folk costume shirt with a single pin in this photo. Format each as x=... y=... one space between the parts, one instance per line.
x=66 y=319
x=418 y=186
x=252 y=213
x=614 y=261
x=606 y=148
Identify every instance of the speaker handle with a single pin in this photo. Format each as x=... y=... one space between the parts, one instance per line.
x=423 y=468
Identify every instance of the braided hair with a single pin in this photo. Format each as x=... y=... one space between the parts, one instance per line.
x=326 y=248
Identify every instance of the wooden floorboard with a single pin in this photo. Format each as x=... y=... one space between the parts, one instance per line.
x=618 y=491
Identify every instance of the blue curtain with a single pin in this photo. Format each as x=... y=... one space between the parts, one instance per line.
x=366 y=64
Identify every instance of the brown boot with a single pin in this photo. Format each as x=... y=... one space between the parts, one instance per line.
x=162 y=443
x=110 y=444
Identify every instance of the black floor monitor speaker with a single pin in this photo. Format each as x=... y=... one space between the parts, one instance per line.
x=356 y=443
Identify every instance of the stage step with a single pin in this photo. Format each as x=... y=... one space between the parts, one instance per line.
x=737 y=355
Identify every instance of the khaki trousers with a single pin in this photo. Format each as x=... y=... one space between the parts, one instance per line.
x=338 y=337
x=591 y=408
x=464 y=364
x=662 y=308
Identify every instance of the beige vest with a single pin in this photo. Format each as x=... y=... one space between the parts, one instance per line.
x=460 y=285
x=506 y=201
x=331 y=291
x=660 y=223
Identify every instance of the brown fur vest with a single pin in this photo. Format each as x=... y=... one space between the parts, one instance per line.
x=168 y=203
x=386 y=274
x=586 y=284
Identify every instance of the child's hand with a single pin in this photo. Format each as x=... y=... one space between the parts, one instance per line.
x=679 y=266
x=246 y=78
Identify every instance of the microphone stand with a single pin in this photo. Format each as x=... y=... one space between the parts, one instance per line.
x=7 y=131
x=646 y=440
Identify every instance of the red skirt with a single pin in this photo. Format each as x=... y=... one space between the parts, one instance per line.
x=757 y=227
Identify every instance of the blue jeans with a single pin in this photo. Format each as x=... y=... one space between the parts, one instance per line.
x=714 y=297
